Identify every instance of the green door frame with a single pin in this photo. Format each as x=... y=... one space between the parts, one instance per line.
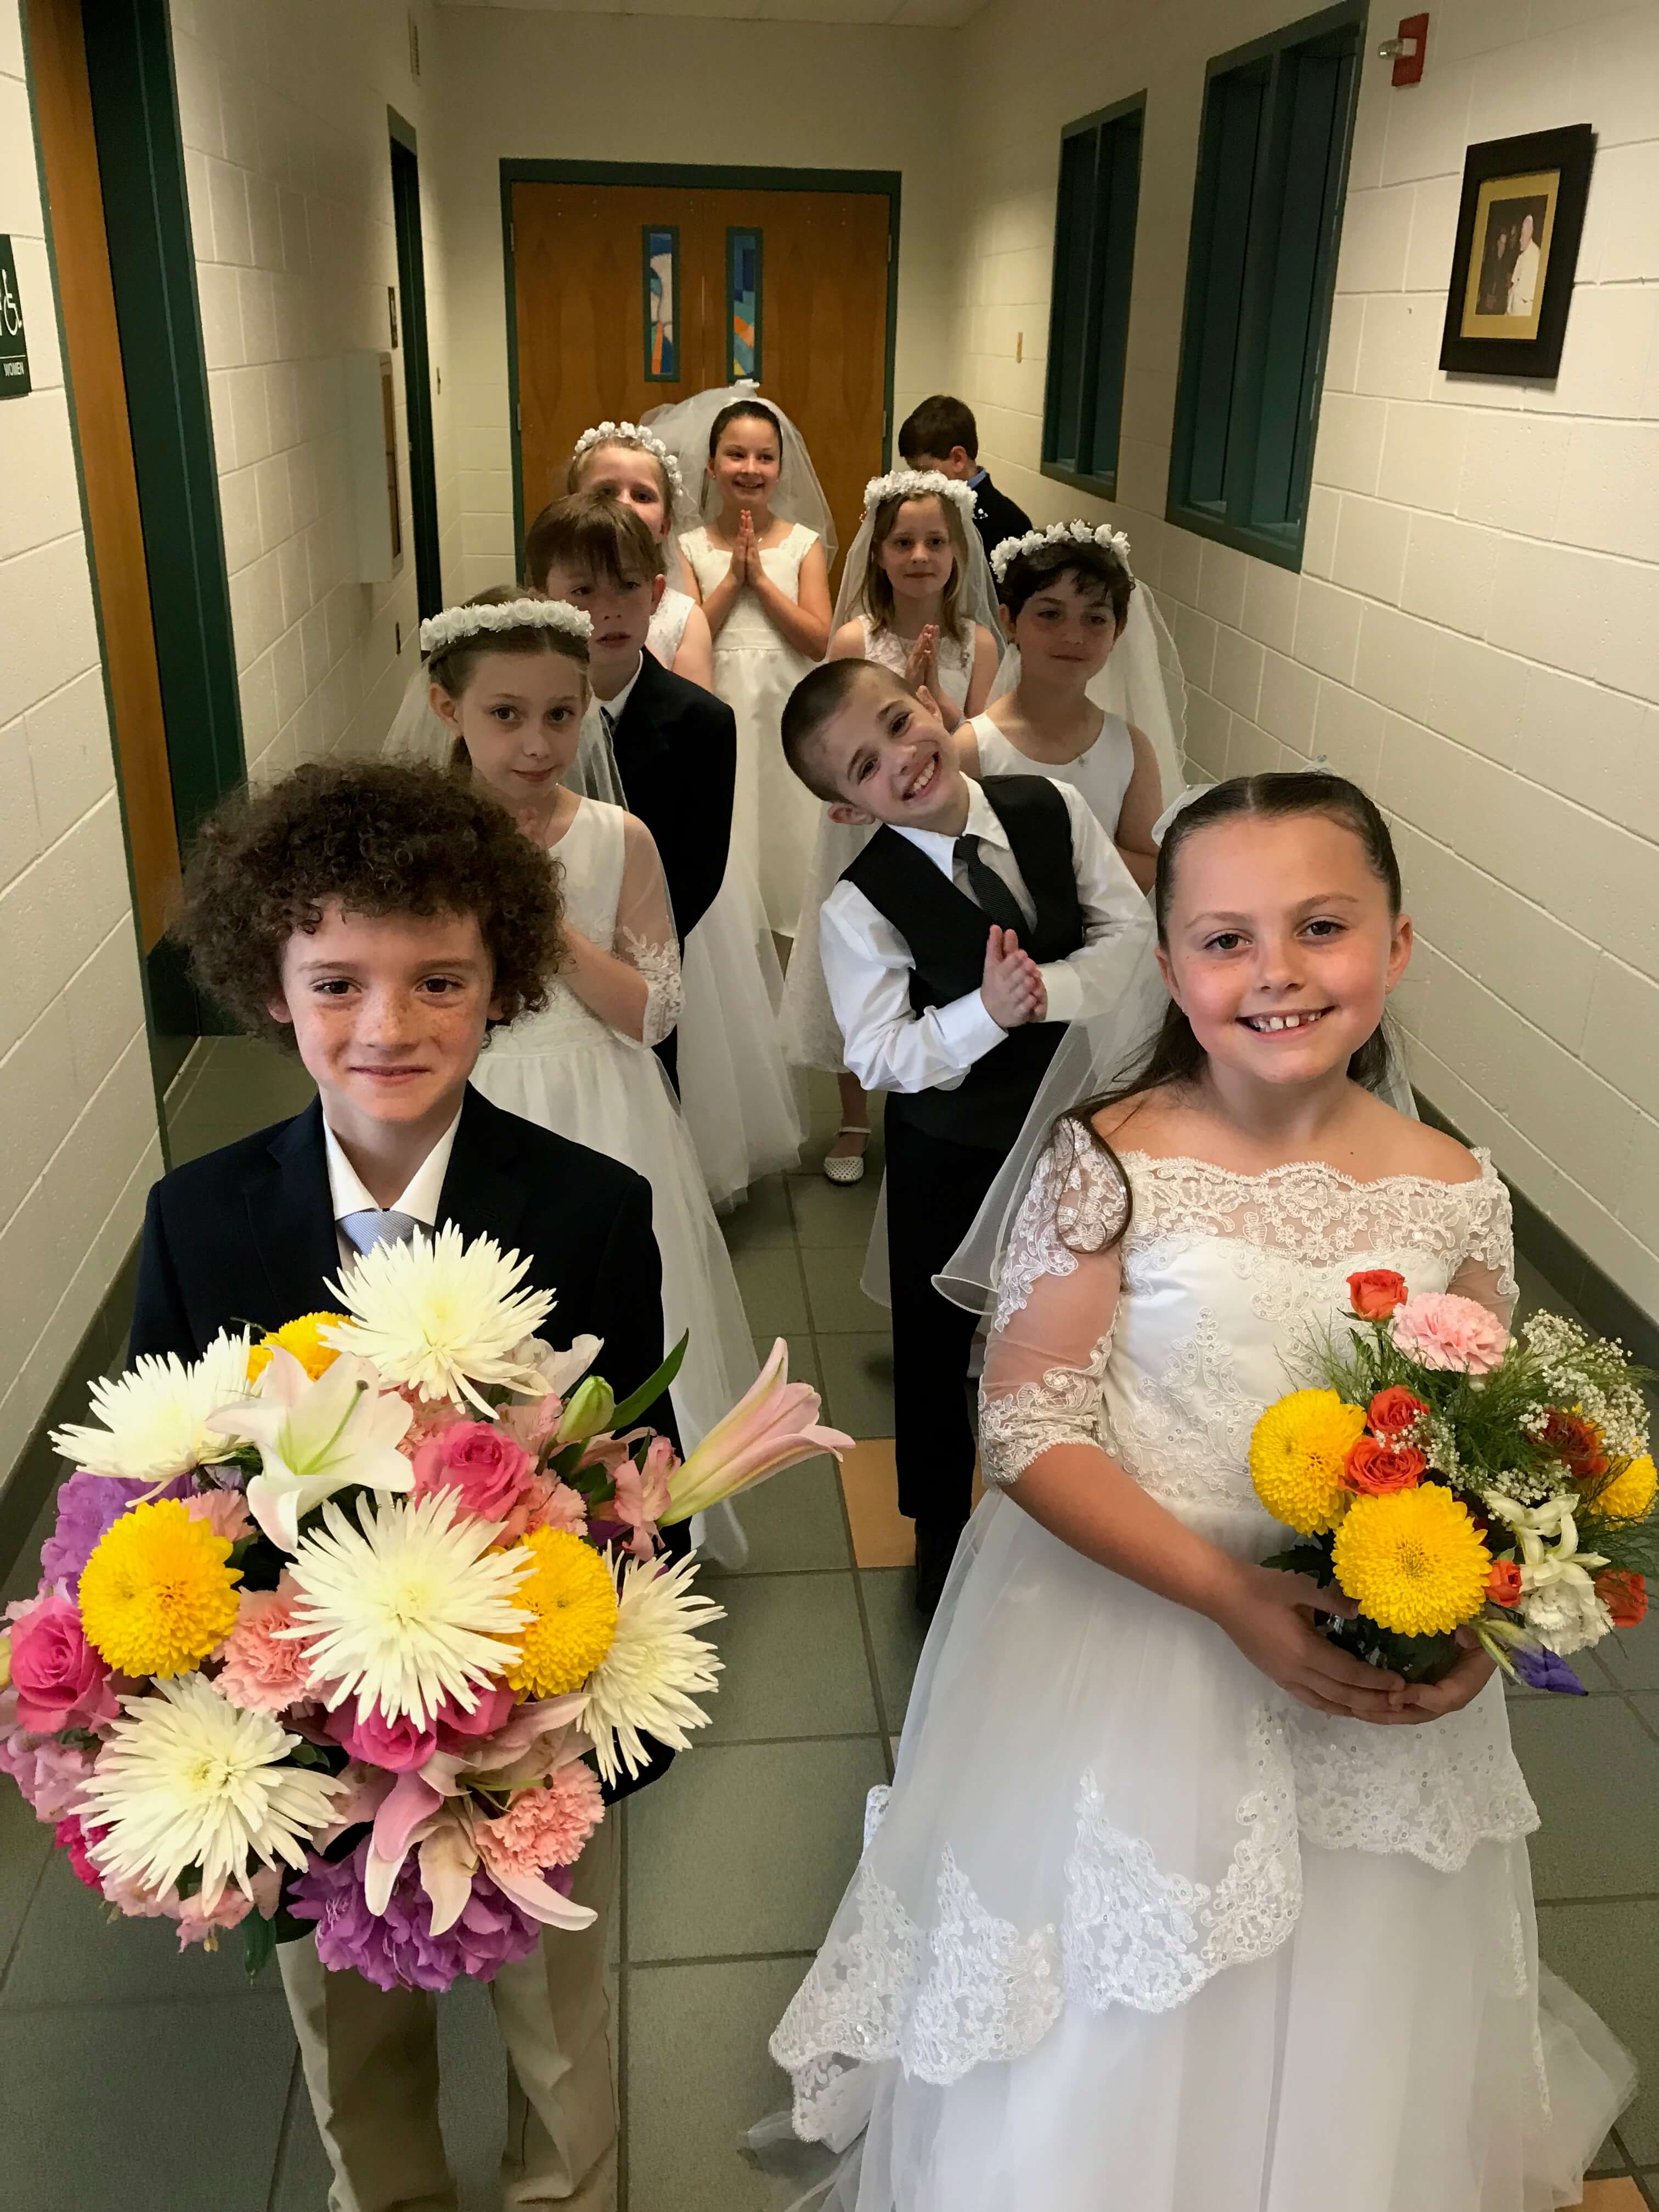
x=417 y=366
x=671 y=176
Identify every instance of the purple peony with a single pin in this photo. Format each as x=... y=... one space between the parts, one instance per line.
x=1542 y=1670
x=399 y=1949
x=89 y=1506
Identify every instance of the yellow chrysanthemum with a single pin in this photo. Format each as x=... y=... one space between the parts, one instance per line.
x=1629 y=1496
x=1297 y=1454
x=304 y=1338
x=1414 y=1562
x=573 y=1601
x=157 y=1594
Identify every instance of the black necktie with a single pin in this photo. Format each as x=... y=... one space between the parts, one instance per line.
x=988 y=888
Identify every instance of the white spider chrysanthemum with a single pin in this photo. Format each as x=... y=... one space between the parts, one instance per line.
x=155 y=1416
x=439 y=1315
x=185 y=1778
x=643 y=1685
x=408 y=1607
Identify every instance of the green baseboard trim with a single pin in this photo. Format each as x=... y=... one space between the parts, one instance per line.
x=38 y=1470
x=1608 y=1308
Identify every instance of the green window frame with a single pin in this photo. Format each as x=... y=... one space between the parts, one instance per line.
x=1095 y=210
x=1262 y=268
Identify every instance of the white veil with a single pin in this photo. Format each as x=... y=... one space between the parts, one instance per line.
x=976 y=598
x=683 y=427
x=419 y=736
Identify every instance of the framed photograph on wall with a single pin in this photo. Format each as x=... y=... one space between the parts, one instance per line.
x=1518 y=228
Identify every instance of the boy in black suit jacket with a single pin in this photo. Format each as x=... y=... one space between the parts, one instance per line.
x=943 y=434
x=676 y=744
x=379 y=919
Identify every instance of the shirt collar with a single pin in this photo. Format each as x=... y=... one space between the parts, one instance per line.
x=981 y=823
x=979 y=477
x=420 y=1201
x=615 y=706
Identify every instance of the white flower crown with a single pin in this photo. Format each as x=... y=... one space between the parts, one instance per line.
x=1078 y=533
x=440 y=632
x=606 y=433
x=918 y=483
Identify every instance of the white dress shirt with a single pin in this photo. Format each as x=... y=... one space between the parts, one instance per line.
x=867 y=964
x=614 y=706
x=420 y=1201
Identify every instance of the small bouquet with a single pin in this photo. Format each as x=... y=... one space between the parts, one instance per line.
x=1459 y=1482
x=347 y=1628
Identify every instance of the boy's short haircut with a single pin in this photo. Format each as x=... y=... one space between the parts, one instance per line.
x=594 y=534
x=816 y=701
x=936 y=426
x=379 y=839
x=1098 y=572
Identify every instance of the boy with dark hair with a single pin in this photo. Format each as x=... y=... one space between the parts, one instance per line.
x=943 y=434
x=379 y=919
x=978 y=921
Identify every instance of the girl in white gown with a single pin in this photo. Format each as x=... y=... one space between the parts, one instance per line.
x=763 y=583
x=737 y=1094
x=916 y=595
x=1174 y=1906
x=514 y=692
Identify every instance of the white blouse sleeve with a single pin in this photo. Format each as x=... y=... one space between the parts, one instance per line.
x=1057 y=1296
x=645 y=931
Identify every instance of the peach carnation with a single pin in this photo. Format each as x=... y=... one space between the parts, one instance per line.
x=1439 y=1329
x=544 y=1827
x=264 y=1670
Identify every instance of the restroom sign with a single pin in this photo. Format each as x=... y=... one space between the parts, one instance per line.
x=13 y=343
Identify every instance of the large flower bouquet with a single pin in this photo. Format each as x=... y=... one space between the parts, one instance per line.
x=347 y=1628
x=1462 y=1485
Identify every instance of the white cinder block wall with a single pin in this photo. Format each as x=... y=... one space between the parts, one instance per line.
x=1475 y=635
x=76 y=1103
x=530 y=84
x=282 y=105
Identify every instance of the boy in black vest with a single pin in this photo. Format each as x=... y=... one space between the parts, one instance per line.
x=943 y=434
x=977 y=922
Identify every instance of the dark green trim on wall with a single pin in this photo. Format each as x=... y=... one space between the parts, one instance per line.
x=670 y=176
x=1100 y=484
x=417 y=365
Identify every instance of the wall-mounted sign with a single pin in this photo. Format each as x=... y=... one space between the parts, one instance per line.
x=13 y=343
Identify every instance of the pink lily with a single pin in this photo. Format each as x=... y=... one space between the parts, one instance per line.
x=773 y=1426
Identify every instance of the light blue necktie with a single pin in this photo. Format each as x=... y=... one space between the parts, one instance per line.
x=377 y=1225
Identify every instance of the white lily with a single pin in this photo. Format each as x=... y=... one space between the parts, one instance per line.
x=317 y=1437
x=1558 y=1598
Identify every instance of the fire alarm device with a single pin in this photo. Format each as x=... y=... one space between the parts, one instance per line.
x=1405 y=49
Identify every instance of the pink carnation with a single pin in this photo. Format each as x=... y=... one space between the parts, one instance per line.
x=225 y=1512
x=49 y=1774
x=73 y=1840
x=562 y=1508
x=544 y=1827
x=264 y=1670
x=1439 y=1329
x=487 y=1470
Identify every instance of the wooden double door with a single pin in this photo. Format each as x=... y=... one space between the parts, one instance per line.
x=592 y=299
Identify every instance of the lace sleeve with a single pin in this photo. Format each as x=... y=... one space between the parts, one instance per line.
x=645 y=931
x=1056 y=1301
x=1486 y=1271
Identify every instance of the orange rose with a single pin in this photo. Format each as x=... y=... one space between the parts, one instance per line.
x=1374 y=1470
x=1394 y=1410
x=1375 y=1293
x=1504 y=1582
x=1624 y=1594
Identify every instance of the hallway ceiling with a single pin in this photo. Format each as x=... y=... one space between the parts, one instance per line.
x=913 y=12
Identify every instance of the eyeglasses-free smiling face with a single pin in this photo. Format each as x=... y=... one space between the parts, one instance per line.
x=389 y=1013
x=520 y=718
x=1066 y=627
x=1280 y=945
x=916 y=553
x=747 y=464
x=892 y=760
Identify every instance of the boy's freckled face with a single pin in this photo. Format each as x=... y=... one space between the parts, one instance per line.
x=890 y=760
x=389 y=1011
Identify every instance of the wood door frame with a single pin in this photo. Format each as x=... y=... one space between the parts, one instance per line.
x=687 y=176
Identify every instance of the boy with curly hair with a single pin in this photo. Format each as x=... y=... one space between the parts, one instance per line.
x=380 y=919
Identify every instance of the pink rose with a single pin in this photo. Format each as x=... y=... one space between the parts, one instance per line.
x=486 y=1468
x=1438 y=1329
x=398 y=1746
x=458 y=1731
x=60 y=1681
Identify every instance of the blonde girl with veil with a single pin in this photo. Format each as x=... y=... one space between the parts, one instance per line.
x=758 y=565
x=916 y=596
x=632 y=465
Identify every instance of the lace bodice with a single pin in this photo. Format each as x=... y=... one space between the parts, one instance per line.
x=747 y=623
x=1102 y=773
x=1166 y=1348
x=954 y=656
x=616 y=895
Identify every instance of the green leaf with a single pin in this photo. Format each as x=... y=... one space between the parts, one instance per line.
x=259 y=1942
x=1313 y=1560
x=629 y=1410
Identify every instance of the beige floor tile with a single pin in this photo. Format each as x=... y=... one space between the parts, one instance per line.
x=1611 y=2197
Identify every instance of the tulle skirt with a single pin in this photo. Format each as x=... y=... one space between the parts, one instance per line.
x=1135 y=1935
x=737 y=1096
x=773 y=814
